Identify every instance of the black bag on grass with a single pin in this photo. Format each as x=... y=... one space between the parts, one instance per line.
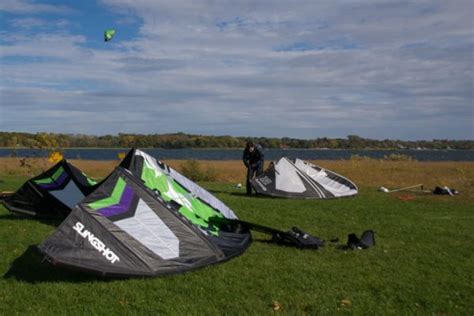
x=445 y=191
x=366 y=241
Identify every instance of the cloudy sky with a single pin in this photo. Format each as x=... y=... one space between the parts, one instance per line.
x=306 y=69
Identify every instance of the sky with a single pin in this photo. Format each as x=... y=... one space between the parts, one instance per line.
x=305 y=69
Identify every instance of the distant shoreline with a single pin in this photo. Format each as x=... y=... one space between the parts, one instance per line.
x=97 y=153
x=185 y=141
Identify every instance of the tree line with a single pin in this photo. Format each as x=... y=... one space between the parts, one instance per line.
x=182 y=140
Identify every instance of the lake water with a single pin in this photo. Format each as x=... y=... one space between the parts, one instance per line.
x=236 y=154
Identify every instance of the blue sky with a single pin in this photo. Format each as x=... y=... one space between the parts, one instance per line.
x=306 y=69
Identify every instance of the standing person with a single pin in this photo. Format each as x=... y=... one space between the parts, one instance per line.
x=253 y=159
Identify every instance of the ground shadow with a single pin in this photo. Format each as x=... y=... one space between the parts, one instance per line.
x=273 y=243
x=253 y=196
x=243 y=194
x=342 y=247
x=284 y=244
x=225 y=192
x=18 y=217
x=30 y=267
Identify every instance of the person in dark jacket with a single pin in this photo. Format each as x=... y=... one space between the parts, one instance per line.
x=253 y=159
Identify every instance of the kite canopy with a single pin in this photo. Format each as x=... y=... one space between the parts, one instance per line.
x=145 y=219
x=52 y=194
x=108 y=35
x=159 y=177
x=300 y=179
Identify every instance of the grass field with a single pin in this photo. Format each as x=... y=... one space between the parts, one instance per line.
x=422 y=263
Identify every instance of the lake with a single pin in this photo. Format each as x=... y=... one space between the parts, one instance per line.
x=236 y=154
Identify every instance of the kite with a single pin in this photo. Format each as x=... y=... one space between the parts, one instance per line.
x=108 y=35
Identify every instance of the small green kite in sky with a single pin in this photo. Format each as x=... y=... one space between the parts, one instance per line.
x=109 y=34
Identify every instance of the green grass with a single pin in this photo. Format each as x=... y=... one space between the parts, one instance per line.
x=422 y=264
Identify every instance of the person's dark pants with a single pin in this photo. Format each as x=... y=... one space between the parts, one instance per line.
x=257 y=170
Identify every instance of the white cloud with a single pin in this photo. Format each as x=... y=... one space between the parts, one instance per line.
x=29 y=7
x=216 y=67
x=37 y=23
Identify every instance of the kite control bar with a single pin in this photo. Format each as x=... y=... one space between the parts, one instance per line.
x=384 y=189
x=294 y=237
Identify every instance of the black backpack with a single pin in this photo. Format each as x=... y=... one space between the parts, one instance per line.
x=367 y=240
x=445 y=191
